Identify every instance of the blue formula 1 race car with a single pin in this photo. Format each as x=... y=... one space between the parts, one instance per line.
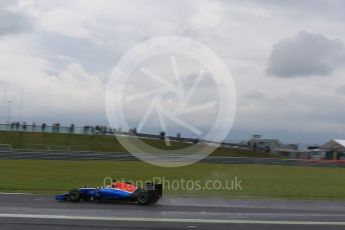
x=122 y=191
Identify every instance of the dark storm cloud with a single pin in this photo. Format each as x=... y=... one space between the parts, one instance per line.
x=306 y=54
x=11 y=21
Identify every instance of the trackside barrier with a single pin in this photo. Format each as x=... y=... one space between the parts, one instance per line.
x=5 y=146
x=80 y=148
x=38 y=147
x=59 y=147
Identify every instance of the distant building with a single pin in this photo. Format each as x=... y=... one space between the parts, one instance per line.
x=312 y=152
x=313 y=147
x=290 y=147
x=262 y=144
x=335 y=149
x=315 y=154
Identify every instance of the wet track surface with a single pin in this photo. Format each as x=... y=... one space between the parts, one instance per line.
x=42 y=212
x=58 y=155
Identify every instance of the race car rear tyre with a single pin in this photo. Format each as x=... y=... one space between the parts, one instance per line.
x=143 y=198
x=74 y=195
x=154 y=198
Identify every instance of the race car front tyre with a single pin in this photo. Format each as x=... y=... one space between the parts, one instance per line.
x=143 y=198
x=74 y=195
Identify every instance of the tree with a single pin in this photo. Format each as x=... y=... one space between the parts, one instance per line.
x=43 y=127
x=267 y=149
x=71 y=129
x=162 y=135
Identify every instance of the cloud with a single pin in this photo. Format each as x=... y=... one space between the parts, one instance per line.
x=71 y=96
x=306 y=54
x=12 y=21
x=341 y=90
x=255 y=95
x=62 y=65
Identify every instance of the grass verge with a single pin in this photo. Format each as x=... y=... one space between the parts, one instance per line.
x=99 y=143
x=258 y=181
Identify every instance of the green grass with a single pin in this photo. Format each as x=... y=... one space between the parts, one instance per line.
x=98 y=143
x=258 y=181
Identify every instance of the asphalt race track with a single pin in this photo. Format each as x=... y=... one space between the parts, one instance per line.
x=59 y=155
x=25 y=211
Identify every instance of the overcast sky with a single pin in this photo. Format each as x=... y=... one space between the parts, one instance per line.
x=287 y=59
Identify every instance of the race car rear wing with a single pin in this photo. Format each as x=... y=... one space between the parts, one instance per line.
x=158 y=188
